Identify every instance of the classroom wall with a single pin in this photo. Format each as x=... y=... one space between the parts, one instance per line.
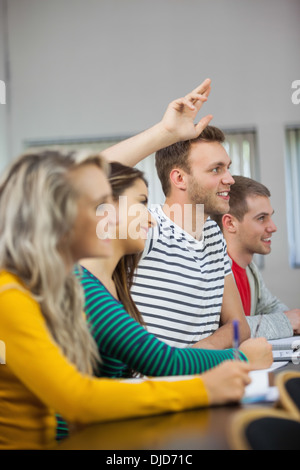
x=87 y=68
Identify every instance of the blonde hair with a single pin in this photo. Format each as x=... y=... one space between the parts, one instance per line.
x=38 y=207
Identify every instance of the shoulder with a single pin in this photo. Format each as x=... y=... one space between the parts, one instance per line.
x=155 y=230
x=213 y=236
x=19 y=310
x=95 y=293
x=12 y=287
x=253 y=270
x=87 y=279
x=7 y=278
x=212 y=229
x=157 y=215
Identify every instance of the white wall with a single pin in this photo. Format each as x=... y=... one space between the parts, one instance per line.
x=84 y=68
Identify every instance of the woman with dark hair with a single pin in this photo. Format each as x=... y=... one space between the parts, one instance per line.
x=113 y=318
x=125 y=347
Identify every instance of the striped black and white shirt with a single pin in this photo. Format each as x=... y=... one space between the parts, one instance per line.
x=179 y=283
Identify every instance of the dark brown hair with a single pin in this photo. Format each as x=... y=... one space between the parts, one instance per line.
x=176 y=155
x=121 y=178
x=242 y=188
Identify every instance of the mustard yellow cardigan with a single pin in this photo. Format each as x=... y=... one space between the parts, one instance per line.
x=37 y=381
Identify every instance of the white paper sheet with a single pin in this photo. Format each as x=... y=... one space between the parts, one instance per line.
x=259 y=390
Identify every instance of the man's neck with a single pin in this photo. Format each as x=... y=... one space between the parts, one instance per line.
x=189 y=217
x=239 y=256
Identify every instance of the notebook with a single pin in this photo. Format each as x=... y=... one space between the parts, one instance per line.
x=286 y=349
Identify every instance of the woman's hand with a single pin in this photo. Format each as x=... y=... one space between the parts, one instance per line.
x=226 y=383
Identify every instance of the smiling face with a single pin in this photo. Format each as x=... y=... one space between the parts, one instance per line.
x=210 y=180
x=134 y=218
x=254 y=232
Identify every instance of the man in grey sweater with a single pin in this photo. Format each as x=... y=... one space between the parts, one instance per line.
x=248 y=228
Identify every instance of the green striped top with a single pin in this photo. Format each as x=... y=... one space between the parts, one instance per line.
x=124 y=344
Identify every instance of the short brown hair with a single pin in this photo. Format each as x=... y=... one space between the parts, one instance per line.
x=242 y=188
x=176 y=155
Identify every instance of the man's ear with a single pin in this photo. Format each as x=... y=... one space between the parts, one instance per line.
x=229 y=223
x=178 y=178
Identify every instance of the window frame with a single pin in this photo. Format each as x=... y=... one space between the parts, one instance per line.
x=292 y=180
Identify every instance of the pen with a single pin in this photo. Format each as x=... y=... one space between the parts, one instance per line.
x=258 y=325
x=236 y=338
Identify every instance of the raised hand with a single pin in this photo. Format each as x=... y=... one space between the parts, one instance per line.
x=180 y=115
x=177 y=124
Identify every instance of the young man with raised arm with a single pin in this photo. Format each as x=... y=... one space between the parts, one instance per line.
x=184 y=287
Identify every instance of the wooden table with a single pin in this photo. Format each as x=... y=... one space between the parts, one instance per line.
x=201 y=429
